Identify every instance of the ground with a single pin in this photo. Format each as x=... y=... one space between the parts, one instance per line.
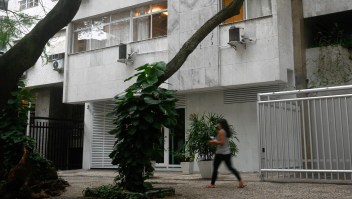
x=193 y=187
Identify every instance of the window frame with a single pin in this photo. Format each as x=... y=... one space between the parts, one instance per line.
x=245 y=12
x=26 y=4
x=150 y=14
x=129 y=18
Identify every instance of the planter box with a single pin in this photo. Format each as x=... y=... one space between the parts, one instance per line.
x=205 y=168
x=187 y=167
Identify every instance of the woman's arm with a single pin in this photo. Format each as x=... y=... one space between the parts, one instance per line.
x=220 y=140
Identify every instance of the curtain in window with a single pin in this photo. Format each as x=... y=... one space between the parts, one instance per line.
x=119 y=32
x=258 y=8
x=141 y=28
x=81 y=40
x=99 y=36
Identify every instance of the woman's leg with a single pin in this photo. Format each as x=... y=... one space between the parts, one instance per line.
x=229 y=166
x=217 y=160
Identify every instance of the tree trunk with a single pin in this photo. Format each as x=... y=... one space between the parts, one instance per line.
x=26 y=52
x=192 y=43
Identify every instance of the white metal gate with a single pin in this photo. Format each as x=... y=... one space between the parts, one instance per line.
x=306 y=137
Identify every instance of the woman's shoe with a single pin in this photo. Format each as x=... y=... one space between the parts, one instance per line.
x=210 y=186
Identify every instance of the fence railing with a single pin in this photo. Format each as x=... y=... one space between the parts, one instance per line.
x=306 y=137
x=60 y=141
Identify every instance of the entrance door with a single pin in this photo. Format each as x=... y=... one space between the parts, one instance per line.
x=177 y=137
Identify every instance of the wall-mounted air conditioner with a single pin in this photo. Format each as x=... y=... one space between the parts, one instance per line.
x=124 y=57
x=237 y=37
x=58 y=65
x=235 y=34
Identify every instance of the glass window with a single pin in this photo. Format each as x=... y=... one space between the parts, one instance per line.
x=25 y=4
x=99 y=36
x=141 y=11
x=120 y=16
x=141 y=28
x=159 y=22
x=159 y=7
x=147 y=22
x=258 y=8
x=119 y=32
x=250 y=9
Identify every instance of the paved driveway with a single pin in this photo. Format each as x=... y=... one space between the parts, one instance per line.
x=192 y=186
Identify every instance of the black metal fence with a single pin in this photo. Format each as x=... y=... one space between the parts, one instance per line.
x=60 y=141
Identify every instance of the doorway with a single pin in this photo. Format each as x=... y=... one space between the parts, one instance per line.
x=177 y=137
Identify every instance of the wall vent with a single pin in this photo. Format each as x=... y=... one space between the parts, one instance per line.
x=248 y=94
x=181 y=103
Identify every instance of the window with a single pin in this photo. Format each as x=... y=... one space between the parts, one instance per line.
x=25 y=4
x=250 y=9
x=56 y=56
x=150 y=21
x=101 y=32
x=147 y=22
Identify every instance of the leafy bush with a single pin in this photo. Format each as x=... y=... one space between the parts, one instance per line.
x=140 y=115
x=202 y=128
x=13 y=123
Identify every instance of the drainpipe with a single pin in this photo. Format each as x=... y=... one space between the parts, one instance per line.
x=299 y=48
x=66 y=62
x=299 y=57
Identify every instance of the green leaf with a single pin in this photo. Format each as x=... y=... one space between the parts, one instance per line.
x=150 y=100
x=11 y=101
x=148 y=117
x=132 y=130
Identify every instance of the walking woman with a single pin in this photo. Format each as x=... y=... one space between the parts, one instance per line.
x=223 y=152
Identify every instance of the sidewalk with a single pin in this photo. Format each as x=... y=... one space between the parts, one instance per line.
x=192 y=186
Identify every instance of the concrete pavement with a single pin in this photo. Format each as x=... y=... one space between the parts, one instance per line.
x=193 y=186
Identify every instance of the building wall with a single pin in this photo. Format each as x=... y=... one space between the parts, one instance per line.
x=96 y=74
x=242 y=116
x=42 y=103
x=201 y=70
x=214 y=63
x=313 y=8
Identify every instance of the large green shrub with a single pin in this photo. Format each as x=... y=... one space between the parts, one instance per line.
x=140 y=114
x=13 y=123
x=202 y=128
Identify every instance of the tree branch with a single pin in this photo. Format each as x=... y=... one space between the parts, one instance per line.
x=26 y=52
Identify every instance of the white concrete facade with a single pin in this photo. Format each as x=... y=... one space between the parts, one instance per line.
x=95 y=75
x=212 y=69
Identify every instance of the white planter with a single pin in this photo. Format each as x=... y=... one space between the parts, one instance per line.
x=187 y=167
x=205 y=168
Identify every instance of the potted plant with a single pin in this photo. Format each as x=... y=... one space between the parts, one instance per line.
x=186 y=159
x=202 y=128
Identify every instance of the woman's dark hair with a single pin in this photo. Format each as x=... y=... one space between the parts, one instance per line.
x=225 y=126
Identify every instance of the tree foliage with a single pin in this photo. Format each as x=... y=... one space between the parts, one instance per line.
x=202 y=128
x=140 y=114
x=14 y=26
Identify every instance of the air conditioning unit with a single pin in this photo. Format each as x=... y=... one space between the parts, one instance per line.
x=58 y=65
x=235 y=34
x=124 y=57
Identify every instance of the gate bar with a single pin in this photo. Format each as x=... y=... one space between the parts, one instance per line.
x=312 y=90
x=306 y=170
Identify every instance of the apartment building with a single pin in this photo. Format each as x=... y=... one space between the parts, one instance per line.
x=247 y=54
